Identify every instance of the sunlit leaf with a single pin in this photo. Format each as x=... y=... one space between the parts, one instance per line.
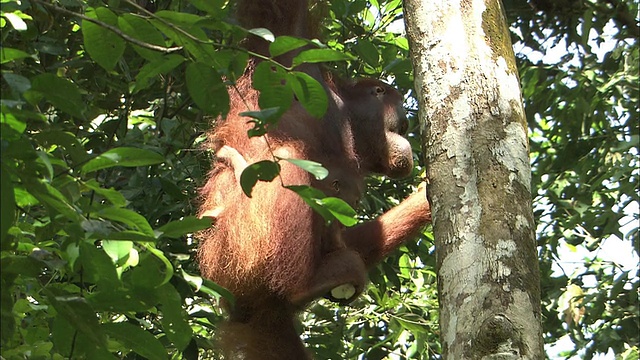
x=122 y=156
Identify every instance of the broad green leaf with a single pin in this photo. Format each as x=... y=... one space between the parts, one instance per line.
x=207 y=89
x=311 y=196
x=168 y=268
x=128 y=217
x=9 y=54
x=21 y=265
x=273 y=83
x=284 y=44
x=310 y=93
x=118 y=251
x=368 y=52
x=161 y=65
x=340 y=210
x=330 y=208
x=122 y=156
x=103 y=45
x=261 y=171
x=13 y=122
x=314 y=168
x=182 y=19
x=188 y=225
x=196 y=41
x=66 y=140
x=319 y=55
x=114 y=196
x=136 y=339
x=141 y=29
x=49 y=195
x=405 y=265
x=79 y=313
x=173 y=320
x=61 y=93
x=18 y=83
x=97 y=266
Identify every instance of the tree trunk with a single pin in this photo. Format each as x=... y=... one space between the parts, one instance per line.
x=476 y=148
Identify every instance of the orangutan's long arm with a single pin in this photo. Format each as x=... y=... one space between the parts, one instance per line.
x=375 y=239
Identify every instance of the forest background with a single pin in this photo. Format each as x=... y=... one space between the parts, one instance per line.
x=103 y=115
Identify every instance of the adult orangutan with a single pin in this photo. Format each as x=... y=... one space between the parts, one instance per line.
x=272 y=251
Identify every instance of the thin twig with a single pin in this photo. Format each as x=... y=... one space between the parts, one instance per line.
x=112 y=28
x=206 y=42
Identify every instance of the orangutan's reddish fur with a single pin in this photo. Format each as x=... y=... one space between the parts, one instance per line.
x=272 y=251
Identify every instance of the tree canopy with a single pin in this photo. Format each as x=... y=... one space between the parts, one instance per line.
x=104 y=111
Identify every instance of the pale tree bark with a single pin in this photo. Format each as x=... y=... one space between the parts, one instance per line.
x=476 y=149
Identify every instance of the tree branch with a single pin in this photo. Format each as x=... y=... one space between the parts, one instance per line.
x=112 y=28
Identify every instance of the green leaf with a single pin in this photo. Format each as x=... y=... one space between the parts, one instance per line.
x=213 y=7
x=211 y=288
x=187 y=225
x=160 y=65
x=97 y=266
x=134 y=337
x=273 y=83
x=18 y=83
x=122 y=300
x=132 y=235
x=266 y=34
x=128 y=217
x=168 y=270
x=78 y=313
x=173 y=317
x=118 y=251
x=49 y=195
x=141 y=29
x=103 y=45
x=310 y=93
x=319 y=55
x=284 y=44
x=7 y=203
x=330 y=208
x=65 y=140
x=207 y=89
x=9 y=54
x=368 y=52
x=314 y=168
x=262 y=119
x=265 y=170
x=311 y=196
x=13 y=122
x=61 y=93
x=340 y=210
x=122 y=156
x=114 y=196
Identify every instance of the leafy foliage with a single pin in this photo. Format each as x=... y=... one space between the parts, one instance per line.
x=585 y=152
x=103 y=114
